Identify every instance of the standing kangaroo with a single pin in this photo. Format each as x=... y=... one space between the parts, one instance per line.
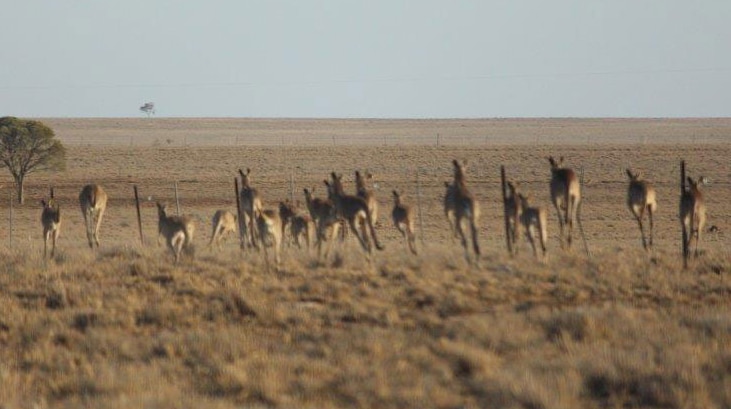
x=250 y=206
x=565 y=195
x=641 y=199
x=93 y=202
x=177 y=230
x=51 y=221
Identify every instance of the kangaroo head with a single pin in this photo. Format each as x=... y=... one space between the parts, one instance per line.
x=633 y=176
x=512 y=188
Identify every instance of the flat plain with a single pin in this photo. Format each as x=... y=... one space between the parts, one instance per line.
x=123 y=326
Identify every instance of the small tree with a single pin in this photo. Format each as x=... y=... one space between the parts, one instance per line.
x=27 y=146
x=148 y=108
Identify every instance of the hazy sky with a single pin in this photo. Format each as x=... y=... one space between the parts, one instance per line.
x=340 y=58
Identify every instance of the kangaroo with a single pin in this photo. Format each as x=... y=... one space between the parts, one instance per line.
x=223 y=222
x=466 y=209
x=641 y=199
x=93 y=202
x=403 y=220
x=299 y=224
x=513 y=210
x=449 y=209
x=269 y=227
x=692 y=216
x=355 y=211
x=177 y=230
x=326 y=219
x=565 y=196
x=367 y=194
x=250 y=205
x=534 y=221
x=51 y=221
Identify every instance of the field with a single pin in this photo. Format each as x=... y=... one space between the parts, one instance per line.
x=125 y=327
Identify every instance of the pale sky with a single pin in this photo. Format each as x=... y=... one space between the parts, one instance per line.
x=378 y=59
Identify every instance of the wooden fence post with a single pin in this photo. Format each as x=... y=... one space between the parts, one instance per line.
x=239 y=213
x=139 y=215
x=578 y=215
x=177 y=200
x=10 y=219
x=418 y=206
x=684 y=237
x=503 y=189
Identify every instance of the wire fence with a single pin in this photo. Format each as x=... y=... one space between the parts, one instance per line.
x=207 y=140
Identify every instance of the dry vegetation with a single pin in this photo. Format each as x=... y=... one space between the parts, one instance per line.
x=125 y=327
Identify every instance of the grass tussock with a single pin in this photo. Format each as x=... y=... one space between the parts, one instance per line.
x=132 y=328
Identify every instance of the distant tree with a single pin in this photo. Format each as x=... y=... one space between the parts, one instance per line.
x=28 y=146
x=148 y=108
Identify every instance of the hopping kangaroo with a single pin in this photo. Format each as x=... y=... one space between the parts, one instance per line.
x=449 y=209
x=641 y=199
x=534 y=221
x=367 y=194
x=513 y=210
x=299 y=224
x=93 y=202
x=250 y=206
x=223 y=222
x=403 y=219
x=354 y=209
x=565 y=195
x=692 y=215
x=466 y=208
x=51 y=221
x=269 y=227
x=327 y=221
x=177 y=230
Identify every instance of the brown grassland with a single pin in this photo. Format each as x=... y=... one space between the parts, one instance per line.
x=124 y=327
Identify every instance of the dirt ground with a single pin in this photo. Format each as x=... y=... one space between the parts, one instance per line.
x=616 y=328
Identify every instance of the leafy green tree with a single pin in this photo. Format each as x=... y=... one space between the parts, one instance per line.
x=28 y=146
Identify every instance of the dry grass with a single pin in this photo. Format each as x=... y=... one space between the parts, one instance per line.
x=126 y=328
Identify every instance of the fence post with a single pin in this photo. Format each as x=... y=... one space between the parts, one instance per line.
x=291 y=185
x=177 y=200
x=578 y=215
x=239 y=213
x=418 y=206
x=139 y=215
x=10 y=219
x=684 y=236
x=503 y=186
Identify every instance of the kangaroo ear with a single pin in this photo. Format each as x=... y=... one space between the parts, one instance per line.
x=241 y=172
x=629 y=173
x=369 y=175
x=395 y=193
x=43 y=203
x=248 y=171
